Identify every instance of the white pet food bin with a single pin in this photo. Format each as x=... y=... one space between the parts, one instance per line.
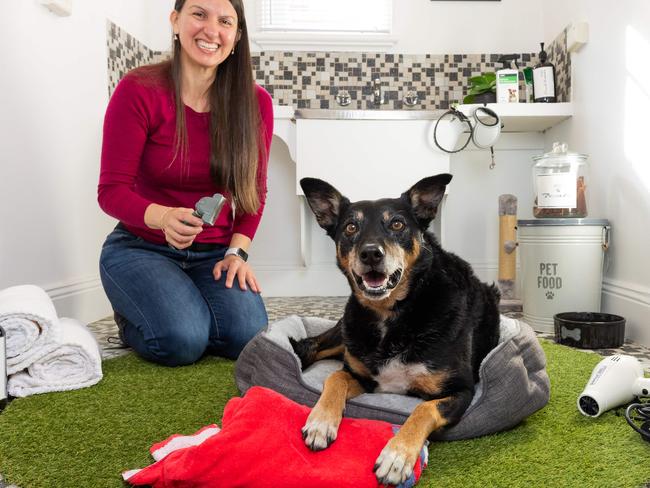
x=561 y=267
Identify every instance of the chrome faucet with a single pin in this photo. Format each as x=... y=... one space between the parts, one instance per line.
x=378 y=98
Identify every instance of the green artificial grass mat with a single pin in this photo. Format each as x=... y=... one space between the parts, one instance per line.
x=86 y=438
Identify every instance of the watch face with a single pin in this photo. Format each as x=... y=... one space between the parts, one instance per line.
x=238 y=251
x=242 y=254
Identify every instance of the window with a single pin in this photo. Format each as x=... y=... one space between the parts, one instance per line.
x=345 y=16
x=334 y=23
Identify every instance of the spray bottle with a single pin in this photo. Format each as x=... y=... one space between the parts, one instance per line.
x=508 y=79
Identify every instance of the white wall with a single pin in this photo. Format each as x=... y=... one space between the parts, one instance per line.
x=420 y=26
x=467 y=27
x=442 y=27
x=157 y=31
x=53 y=93
x=471 y=223
x=611 y=95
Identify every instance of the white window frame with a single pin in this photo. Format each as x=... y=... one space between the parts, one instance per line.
x=317 y=40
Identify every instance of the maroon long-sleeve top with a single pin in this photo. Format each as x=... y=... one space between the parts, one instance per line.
x=138 y=166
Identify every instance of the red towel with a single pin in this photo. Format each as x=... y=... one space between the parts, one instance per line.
x=261 y=445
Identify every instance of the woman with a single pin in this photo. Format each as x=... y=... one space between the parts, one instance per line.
x=174 y=133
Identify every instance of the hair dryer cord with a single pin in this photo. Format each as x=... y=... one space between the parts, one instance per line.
x=638 y=416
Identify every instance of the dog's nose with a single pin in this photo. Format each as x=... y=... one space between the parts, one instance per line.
x=371 y=254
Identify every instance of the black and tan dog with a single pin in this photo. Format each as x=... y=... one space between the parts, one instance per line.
x=418 y=320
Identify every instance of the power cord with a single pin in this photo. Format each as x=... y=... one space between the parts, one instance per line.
x=638 y=416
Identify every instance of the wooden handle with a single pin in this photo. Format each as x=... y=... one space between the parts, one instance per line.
x=507 y=261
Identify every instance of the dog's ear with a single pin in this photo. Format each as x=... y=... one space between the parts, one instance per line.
x=425 y=197
x=325 y=201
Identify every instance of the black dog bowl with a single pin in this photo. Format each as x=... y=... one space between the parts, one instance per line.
x=589 y=330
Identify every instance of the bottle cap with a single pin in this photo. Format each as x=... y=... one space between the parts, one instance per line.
x=542 y=54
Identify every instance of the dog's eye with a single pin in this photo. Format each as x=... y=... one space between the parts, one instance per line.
x=350 y=228
x=397 y=225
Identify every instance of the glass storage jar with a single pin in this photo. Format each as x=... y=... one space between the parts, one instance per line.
x=559 y=180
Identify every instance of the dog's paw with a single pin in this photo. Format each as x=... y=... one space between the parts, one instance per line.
x=395 y=463
x=319 y=433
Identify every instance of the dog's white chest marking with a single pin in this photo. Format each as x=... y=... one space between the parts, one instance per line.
x=396 y=376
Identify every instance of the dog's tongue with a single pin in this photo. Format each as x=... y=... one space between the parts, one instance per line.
x=374 y=279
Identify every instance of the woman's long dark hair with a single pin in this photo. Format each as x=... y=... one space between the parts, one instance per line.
x=236 y=142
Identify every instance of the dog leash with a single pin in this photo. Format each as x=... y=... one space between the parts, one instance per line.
x=464 y=119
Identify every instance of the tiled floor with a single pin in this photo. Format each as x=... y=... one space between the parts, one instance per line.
x=327 y=307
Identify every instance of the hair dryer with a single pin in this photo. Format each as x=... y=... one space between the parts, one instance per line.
x=615 y=381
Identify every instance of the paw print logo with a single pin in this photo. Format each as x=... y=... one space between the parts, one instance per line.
x=550 y=295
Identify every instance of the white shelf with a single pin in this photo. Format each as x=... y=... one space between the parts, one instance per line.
x=527 y=117
x=516 y=117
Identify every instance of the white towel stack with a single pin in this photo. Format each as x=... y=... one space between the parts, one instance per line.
x=45 y=353
x=28 y=317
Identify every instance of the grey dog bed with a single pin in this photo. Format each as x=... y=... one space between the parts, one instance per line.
x=513 y=381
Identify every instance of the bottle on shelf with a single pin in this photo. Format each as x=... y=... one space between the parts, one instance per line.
x=544 y=79
x=508 y=79
x=528 y=84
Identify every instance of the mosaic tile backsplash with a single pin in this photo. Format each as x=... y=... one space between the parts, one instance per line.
x=125 y=52
x=312 y=79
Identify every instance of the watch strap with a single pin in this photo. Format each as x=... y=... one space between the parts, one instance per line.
x=237 y=251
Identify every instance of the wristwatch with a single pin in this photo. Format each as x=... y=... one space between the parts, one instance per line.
x=237 y=251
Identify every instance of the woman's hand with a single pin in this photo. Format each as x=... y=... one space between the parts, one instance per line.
x=180 y=226
x=236 y=266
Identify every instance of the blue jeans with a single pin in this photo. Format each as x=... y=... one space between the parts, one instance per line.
x=175 y=310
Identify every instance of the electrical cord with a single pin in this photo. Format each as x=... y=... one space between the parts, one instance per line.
x=638 y=416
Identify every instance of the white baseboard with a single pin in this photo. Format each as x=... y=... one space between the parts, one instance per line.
x=632 y=302
x=629 y=291
x=83 y=299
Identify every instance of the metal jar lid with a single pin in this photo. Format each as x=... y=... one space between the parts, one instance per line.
x=548 y=222
x=560 y=154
